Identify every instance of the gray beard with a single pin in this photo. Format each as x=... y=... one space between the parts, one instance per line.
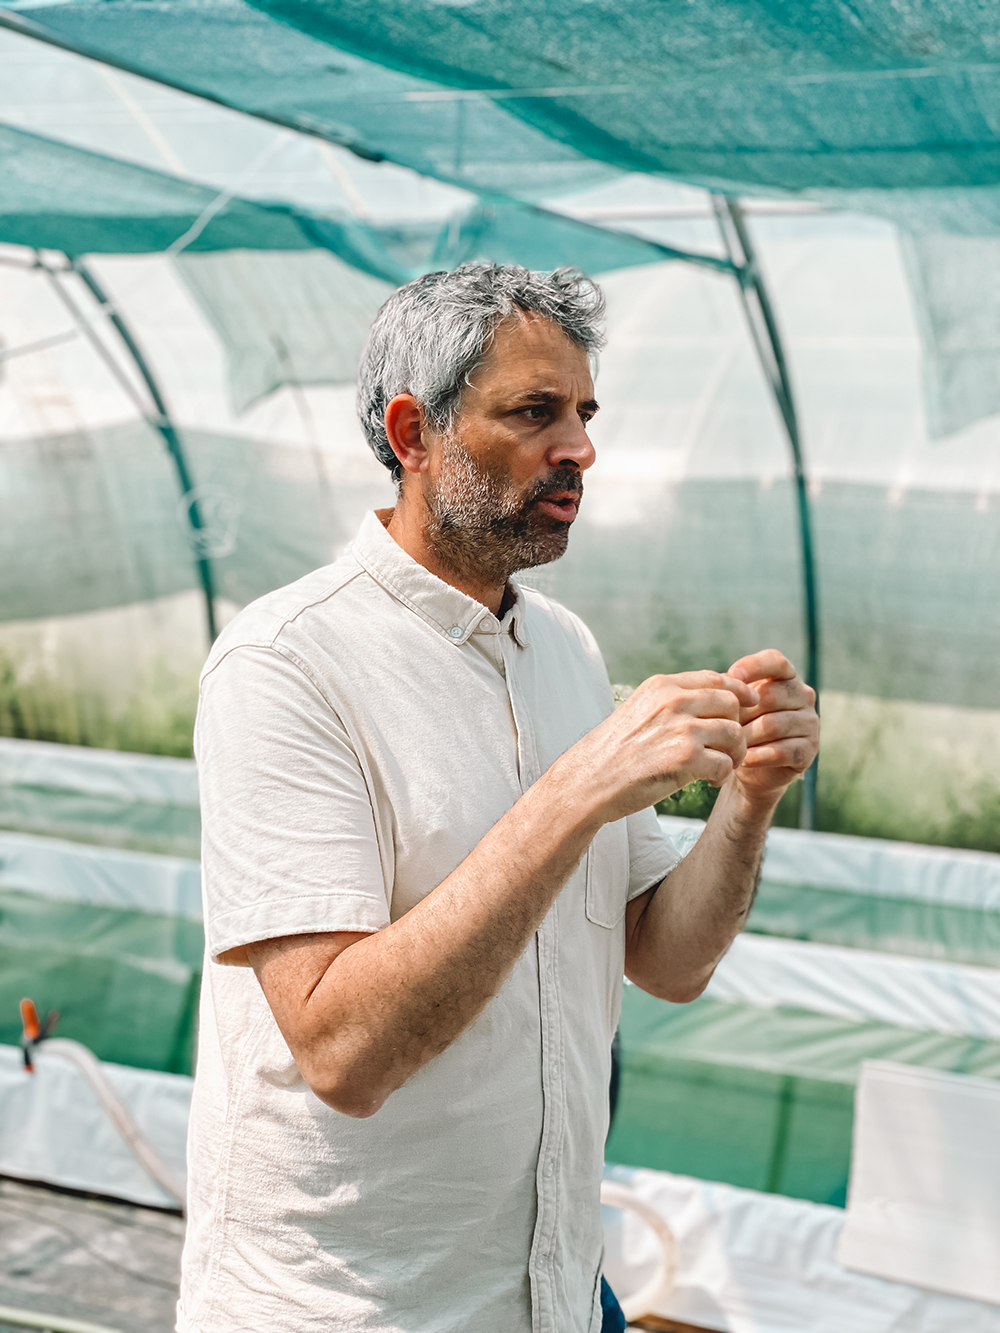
x=482 y=529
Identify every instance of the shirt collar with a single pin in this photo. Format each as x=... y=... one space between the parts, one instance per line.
x=452 y=613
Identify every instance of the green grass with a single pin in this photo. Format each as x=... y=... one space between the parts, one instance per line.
x=157 y=718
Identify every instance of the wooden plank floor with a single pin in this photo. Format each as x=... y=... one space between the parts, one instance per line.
x=105 y=1263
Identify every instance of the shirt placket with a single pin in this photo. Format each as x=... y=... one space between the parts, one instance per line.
x=543 y=1260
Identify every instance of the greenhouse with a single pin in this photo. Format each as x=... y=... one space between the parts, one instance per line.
x=795 y=218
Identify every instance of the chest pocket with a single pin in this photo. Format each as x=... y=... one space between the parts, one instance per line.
x=607 y=875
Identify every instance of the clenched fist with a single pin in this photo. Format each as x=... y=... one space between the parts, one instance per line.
x=781 y=729
x=669 y=732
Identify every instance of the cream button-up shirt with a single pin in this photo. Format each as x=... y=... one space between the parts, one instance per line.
x=359 y=732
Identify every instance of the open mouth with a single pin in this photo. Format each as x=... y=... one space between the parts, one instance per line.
x=562 y=505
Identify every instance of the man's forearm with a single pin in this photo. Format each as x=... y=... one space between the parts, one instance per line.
x=361 y=1014
x=678 y=932
x=360 y=1020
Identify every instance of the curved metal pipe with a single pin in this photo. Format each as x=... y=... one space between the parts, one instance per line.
x=160 y=421
x=767 y=341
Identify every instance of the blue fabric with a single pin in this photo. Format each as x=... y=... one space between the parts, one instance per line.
x=614 y=1320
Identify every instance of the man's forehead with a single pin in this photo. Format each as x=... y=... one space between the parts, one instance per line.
x=533 y=357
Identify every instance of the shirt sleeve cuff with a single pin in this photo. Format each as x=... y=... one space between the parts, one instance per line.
x=268 y=920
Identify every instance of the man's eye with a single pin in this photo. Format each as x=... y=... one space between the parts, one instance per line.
x=536 y=412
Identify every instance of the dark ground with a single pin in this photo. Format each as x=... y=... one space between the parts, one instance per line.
x=107 y=1263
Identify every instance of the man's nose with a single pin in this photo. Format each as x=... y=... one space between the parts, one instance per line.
x=572 y=447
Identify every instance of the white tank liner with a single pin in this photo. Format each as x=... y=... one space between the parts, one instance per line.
x=855 y=984
x=872 y=866
x=748 y=1262
x=52 y=1128
x=760 y=1263
x=151 y=778
x=862 y=986
x=101 y=876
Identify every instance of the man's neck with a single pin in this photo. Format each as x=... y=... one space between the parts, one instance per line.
x=409 y=530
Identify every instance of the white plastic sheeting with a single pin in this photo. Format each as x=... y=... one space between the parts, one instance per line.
x=873 y=866
x=884 y=869
x=820 y=860
x=52 y=1128
x=760 y=1263
x=747 y=1263
x=951 y=998
x=101 y=876
x=923 y=1204
x=155 y=779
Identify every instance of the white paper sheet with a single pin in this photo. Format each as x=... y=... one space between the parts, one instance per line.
x=924 y=1198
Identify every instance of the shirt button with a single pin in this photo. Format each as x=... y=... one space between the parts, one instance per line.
x=486 y=625
x=549 y=1168
x=456 y=631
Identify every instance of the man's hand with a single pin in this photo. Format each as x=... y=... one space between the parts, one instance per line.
x=781 y=730
x=361 y=1014
x=671 y=731
x=677 y=933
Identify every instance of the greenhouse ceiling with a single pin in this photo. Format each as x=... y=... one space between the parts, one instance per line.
x=61 y=197
x=521 y=98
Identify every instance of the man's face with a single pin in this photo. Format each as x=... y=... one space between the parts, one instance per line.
x=503 y=487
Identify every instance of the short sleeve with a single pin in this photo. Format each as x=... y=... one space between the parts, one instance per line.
x=651 y=854
x=289 y=844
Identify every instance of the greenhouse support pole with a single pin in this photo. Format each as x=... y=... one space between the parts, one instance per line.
x=767 y=341
x=162 y=422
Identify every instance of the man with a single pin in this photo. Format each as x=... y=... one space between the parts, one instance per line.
x=430 y=853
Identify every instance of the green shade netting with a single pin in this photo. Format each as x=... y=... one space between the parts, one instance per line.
x=284 y=318
x=877 y=108
x=758 y=1098
x=64 y=198
x=746 y=93
x=958 y=304
x=245 y=58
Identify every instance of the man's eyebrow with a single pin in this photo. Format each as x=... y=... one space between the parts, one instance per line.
x=550 y=396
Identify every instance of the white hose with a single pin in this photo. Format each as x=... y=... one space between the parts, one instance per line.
x=138 y=1145
x=658 y=1288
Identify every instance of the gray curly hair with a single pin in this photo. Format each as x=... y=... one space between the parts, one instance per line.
x=431 y=334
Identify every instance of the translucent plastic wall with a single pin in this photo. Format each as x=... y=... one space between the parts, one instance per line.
x=686 y=552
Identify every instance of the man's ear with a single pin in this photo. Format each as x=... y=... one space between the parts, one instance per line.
x=404 y=426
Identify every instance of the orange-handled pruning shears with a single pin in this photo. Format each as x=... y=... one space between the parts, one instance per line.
x=34 y=1030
